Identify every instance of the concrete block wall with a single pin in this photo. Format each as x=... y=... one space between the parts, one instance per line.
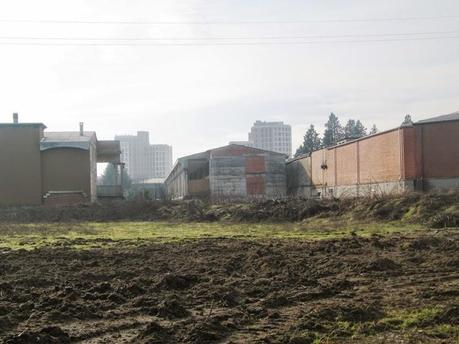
x=227 y=177
x=244 y=172
x=276 y=176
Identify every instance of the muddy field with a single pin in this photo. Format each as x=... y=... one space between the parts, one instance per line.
x=397 y=289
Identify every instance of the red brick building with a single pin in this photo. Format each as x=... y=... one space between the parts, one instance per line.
x=422 y=156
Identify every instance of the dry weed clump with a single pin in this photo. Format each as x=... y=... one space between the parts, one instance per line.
x=435 y=210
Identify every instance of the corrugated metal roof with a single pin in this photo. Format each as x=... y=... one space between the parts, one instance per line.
x=443 y=118
x=22 y=125
x=68 y=136
x=68 y=139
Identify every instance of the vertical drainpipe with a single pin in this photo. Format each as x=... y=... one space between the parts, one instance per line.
x=358 y=167
x=335 y=158
x=421 y=164
x=401 y=145
x=324 y=182
x=311 y=183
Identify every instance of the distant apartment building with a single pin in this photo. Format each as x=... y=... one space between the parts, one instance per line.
x=143 y=160
x=160 y=159
x=272 y=136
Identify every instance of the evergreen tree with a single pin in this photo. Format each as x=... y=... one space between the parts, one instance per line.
x=407 y=121
x=349 y=129
x=110 y=177
x=311 y=142
x=333 y=131
x=354 y=129
x=373 y=130
x=360 y=130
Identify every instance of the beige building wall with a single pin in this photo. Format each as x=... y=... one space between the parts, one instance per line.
x=65 y=167
x=20 y=172
x=93 y=173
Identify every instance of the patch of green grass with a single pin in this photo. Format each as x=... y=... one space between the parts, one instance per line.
x=420 y=317
x=405 y=323
x=444 y=331
x=410 y=214
x=106 y=234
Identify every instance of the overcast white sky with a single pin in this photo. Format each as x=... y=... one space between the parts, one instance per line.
x=202 y=96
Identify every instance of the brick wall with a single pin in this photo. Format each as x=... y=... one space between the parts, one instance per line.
x=409 y=153
x=319 y=158
x=65 y=199
x=396 y=160
x=346 y=164
x=380 y=157
x=255 y=185
x=440 y=149
x=255 y=164
x=375 y=159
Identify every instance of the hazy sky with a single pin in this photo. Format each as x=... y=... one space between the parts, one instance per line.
x=201 y=96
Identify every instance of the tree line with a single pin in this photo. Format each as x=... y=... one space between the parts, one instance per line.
x=334 y=132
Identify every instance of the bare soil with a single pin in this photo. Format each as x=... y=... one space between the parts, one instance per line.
x=233 y=291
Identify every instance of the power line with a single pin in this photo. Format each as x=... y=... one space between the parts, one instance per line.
x=225 y=43
x=251 y=22
x=225 y=38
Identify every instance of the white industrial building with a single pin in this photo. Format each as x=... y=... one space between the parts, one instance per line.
x=143 y=160
x=272 y=136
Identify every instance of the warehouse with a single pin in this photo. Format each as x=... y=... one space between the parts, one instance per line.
x=41 y=167
x=227 y=173
x=421 y=156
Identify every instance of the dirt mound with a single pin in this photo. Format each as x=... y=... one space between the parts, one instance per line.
x=360 y=312
x=48 y=335
x=172 y=308
x=276 y=300
x=154 y=333
x=173 y=281
x=382 y=264
x=209 y=331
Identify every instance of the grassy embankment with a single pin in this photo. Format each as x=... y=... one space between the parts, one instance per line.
x=105 y=234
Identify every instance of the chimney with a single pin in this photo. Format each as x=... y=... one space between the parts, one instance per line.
x=15 y=118
x=81 y=129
